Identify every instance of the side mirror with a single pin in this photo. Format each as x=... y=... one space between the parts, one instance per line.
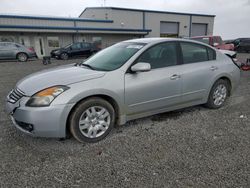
x=141 y=67
x=216 y=44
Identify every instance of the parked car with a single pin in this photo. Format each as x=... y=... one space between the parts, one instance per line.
x=126 y=81
x=242 y=44
x=75 y=50
x=11 y=50
x=215 y=41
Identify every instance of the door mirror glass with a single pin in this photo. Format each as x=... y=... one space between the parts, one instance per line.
x=141 y=67
x=216 y=44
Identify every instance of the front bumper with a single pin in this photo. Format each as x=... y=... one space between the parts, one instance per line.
x=44 y=121
x=54 y=55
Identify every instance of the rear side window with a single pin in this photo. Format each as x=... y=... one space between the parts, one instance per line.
x=211 y=54
x=86 y=45
x=195 y=53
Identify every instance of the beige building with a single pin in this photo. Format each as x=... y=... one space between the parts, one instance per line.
x=106 y=25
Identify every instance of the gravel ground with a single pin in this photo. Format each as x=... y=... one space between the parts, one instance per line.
x=193 y=147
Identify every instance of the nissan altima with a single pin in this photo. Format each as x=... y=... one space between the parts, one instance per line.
x=129 y=80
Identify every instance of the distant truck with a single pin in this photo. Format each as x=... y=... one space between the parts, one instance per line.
x=215 y=41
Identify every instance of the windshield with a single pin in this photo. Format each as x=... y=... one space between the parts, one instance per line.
x=67 y=46
x=204 y=40
x=113 y=57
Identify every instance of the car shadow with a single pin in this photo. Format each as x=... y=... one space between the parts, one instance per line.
x=172 y=115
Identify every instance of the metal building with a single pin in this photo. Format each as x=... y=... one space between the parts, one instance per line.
x=105 y=25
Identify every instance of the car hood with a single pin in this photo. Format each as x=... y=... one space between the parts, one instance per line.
x=63 y=75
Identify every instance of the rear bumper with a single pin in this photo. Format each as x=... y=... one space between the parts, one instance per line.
x=33 y=55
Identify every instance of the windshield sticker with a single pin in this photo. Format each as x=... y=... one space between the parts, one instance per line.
x=134 y=46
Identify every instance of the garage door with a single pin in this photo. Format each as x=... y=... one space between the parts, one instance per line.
x=169 y=29
x=199 y=29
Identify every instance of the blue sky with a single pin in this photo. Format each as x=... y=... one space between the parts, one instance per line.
x=232 y=16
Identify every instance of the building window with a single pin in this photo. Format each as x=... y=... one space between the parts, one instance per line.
x=7 y=39
x=53 y=42
x=97 y=41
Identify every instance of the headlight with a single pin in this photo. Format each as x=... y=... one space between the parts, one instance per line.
x=46 y=96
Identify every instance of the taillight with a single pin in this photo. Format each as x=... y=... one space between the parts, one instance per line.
x=236 y=62
x=31 y=49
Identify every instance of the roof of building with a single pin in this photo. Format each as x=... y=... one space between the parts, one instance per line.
x=150 y=11
x=53 y=18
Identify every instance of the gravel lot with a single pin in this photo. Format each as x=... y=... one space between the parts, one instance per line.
x=194 y=147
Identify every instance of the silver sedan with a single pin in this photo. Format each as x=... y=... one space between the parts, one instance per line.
x=128 y=80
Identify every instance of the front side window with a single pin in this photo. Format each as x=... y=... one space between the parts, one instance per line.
x=193 y=53
x=113 y=57
x=161 y=55
x=53 y=42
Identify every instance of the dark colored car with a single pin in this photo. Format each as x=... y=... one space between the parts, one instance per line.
x=215 y=41
x=74 y=50
x=11 y=50
x=242 y=44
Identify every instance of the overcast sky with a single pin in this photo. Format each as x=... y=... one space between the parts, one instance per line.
x=232 y=16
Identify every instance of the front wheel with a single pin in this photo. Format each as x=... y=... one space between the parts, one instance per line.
x=92 y=120
x=218 y=94
x=64 y=56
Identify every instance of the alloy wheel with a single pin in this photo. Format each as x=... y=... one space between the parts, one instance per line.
x=220 y=94
x=94 y=121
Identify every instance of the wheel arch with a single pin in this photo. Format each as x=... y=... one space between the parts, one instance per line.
x=106 y=97
x=22 y=53
x=227 y=79
x=221 y=77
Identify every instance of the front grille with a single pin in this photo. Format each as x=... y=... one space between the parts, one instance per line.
x=15 y=95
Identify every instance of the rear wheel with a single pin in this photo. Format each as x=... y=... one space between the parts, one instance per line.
x=92 y=120
x=64 y=56
x=22 y=57
x=218 y=94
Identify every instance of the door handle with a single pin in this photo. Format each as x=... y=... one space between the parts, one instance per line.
x=213 y=68
x=175 y=77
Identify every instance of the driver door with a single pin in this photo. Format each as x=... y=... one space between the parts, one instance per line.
x=158 y=88
x=75 y=49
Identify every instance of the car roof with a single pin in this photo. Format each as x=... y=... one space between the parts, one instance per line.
x=155 y=40
x=158 y=40
x=205 y=36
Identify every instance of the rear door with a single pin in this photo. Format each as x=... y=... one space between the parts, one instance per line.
x=198 y=69
x=86 y=49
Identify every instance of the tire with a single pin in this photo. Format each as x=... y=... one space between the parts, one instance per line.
x=64 y=56
x=220 y=92
x=95 y=124
x=22 y=57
